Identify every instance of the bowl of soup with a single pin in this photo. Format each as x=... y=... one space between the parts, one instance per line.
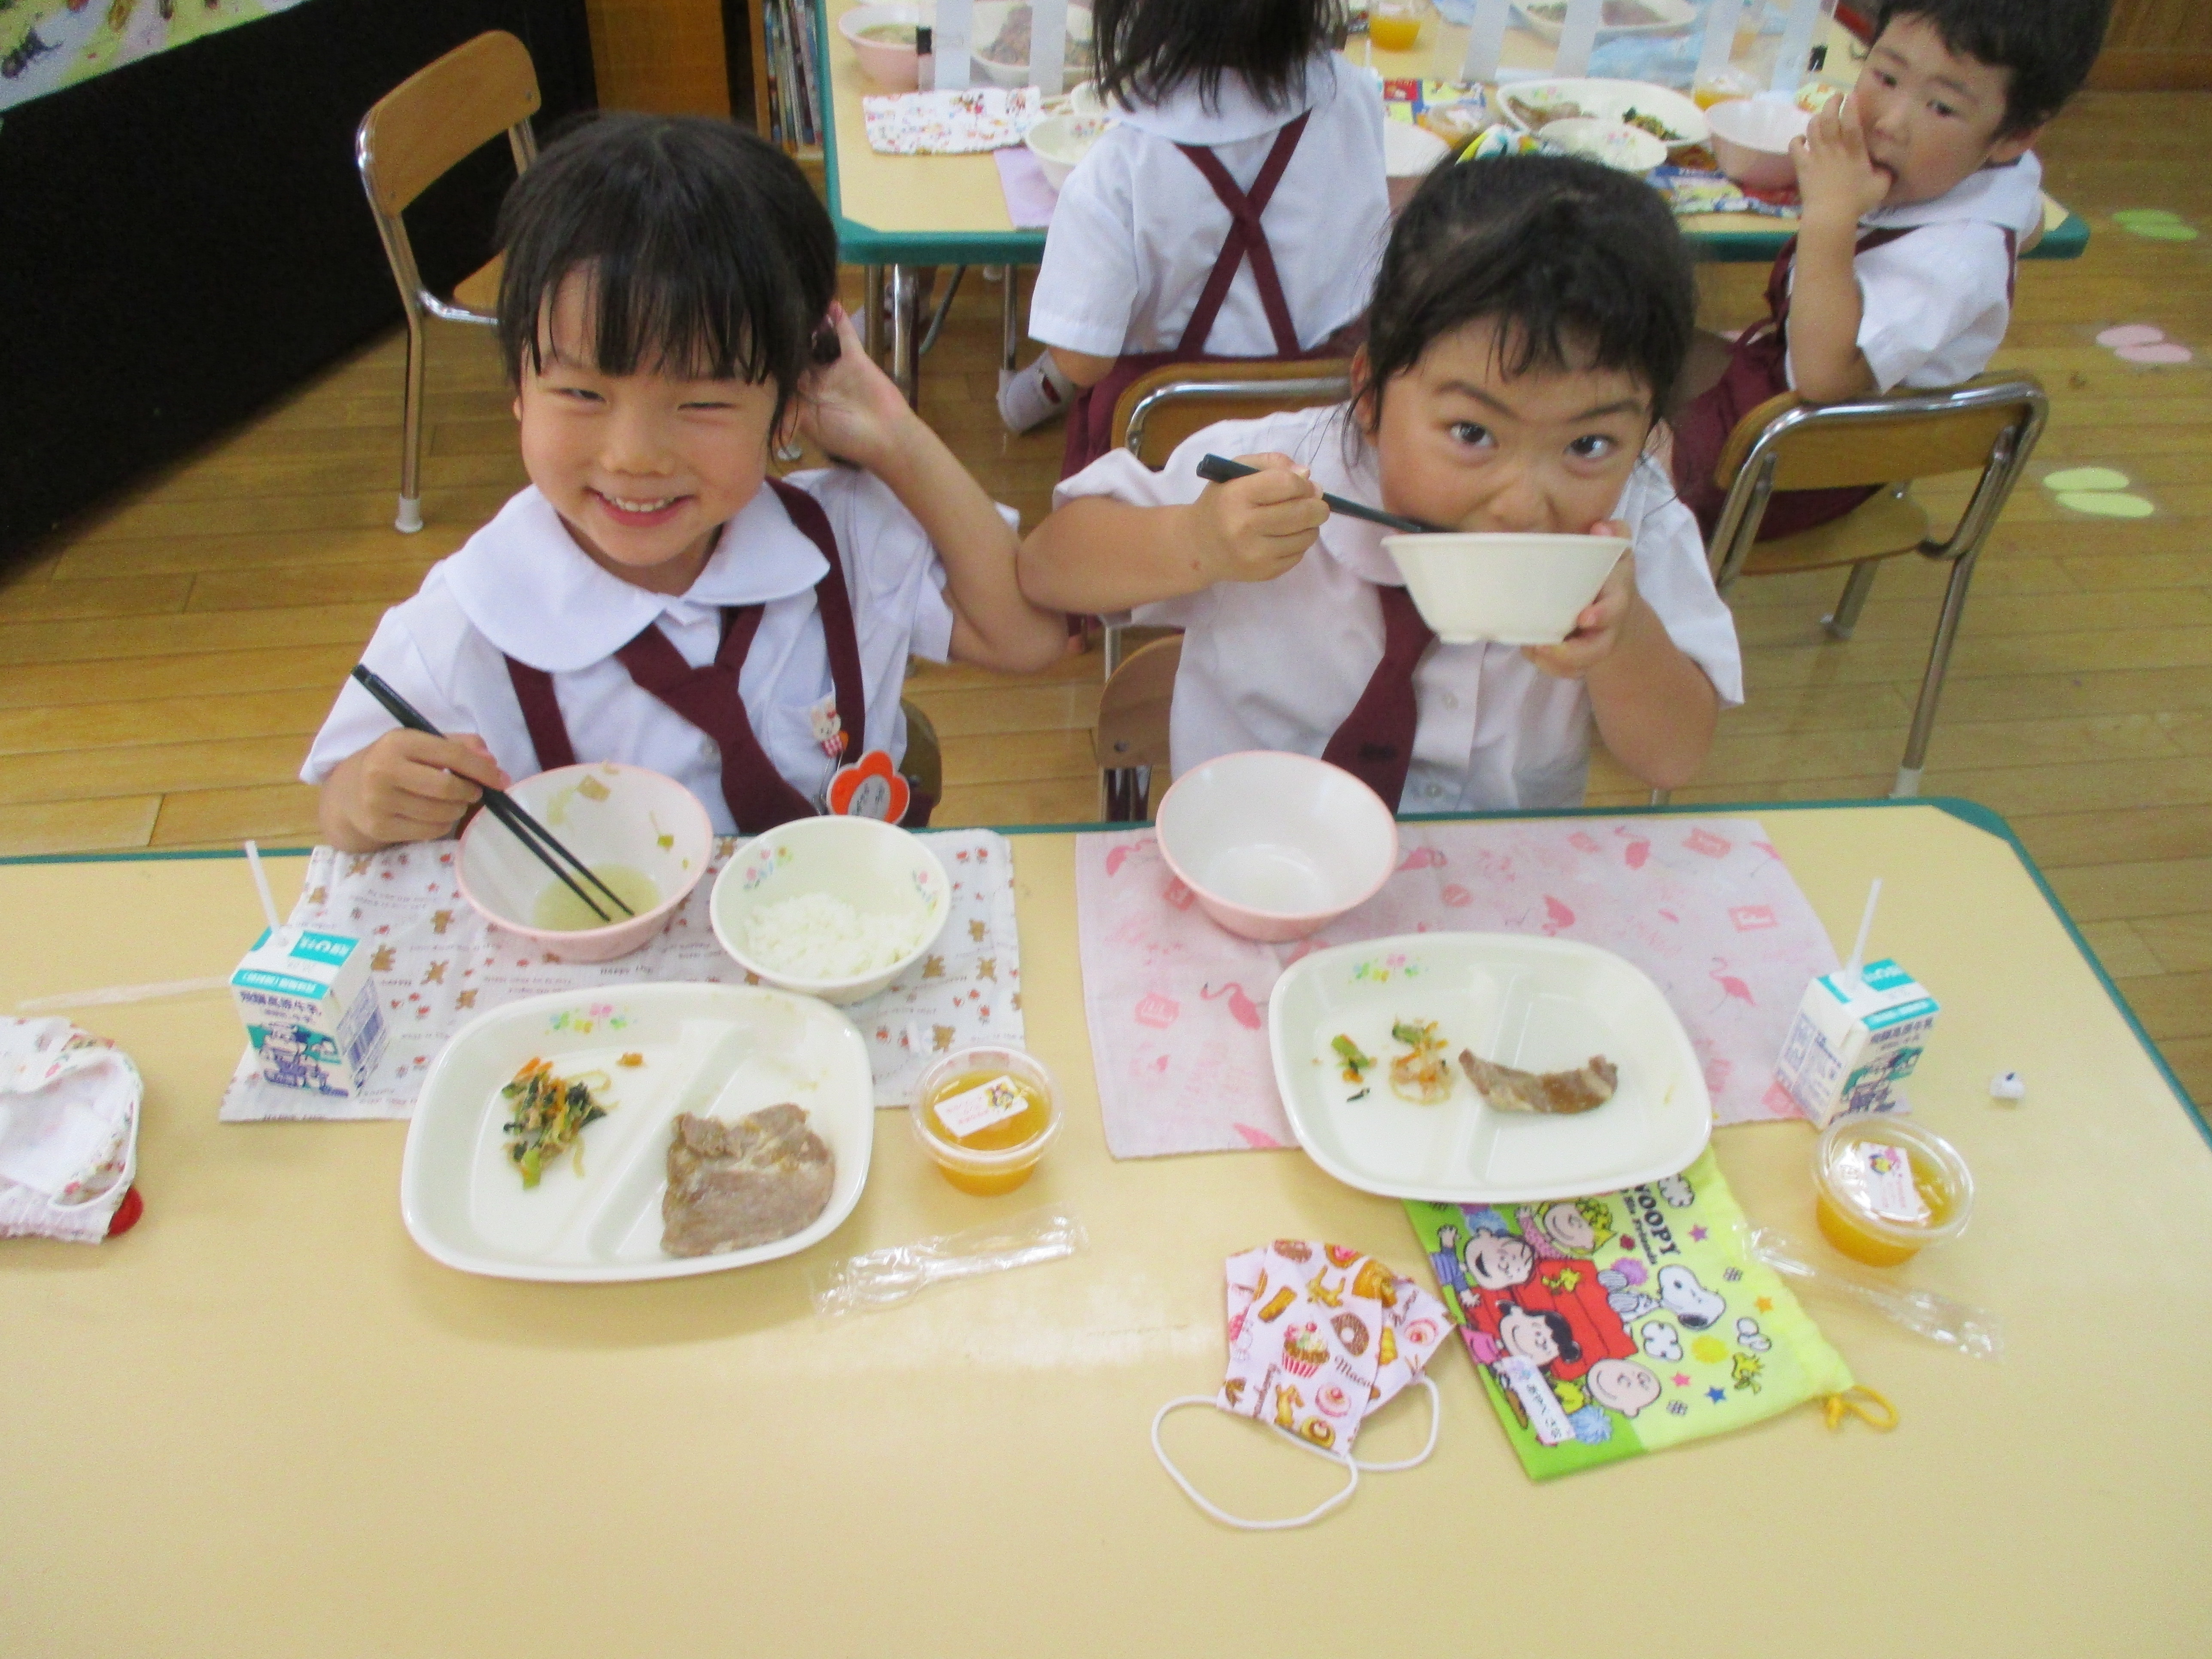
x=642 y=835
x=1505 y=587
x=884 y=39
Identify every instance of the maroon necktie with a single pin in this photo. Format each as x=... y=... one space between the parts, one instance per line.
x=1375 y=741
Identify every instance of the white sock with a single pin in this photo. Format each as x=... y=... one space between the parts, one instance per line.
x=1030 y=397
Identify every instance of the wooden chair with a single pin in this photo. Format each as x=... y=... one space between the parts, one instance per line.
x=1988 y=426
x=924 y=766
x=1156 y=413
x=411 y=138
x=1132 y=734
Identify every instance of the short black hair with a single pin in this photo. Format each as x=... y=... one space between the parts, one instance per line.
x=1148 y=48
x=705 y=251
x=2045 y=46
x=1578 y=264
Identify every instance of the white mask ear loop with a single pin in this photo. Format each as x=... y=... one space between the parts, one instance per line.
x=1436 y=1422
x=1190 y=1491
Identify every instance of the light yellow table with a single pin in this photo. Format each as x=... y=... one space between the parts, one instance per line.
x=264 y=1423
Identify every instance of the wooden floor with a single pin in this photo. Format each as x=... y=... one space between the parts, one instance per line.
x=163 y=663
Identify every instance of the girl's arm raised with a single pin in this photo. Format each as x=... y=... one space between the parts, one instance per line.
x=1099 y=555
x=851 y=409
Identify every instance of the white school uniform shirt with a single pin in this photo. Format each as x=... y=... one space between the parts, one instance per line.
x=1933 y=305
x=1138 y=228
x=1279 y=665
x=521 y=586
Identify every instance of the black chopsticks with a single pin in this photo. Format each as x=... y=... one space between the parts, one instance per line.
x=1219 y=469
x=501 y=804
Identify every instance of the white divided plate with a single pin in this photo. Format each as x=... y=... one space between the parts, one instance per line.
x=1542 y=1005
x=1609 y=100
x=718 y=1050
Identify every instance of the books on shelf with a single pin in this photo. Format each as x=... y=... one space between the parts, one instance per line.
x=794 y=78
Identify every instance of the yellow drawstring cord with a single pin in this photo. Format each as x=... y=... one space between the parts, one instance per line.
x=1854 y=1402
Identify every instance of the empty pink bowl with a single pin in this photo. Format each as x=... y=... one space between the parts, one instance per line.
x=1274 y=846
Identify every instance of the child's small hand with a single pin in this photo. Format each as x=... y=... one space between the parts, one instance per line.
x=409 y=786
x=850 y=408
x=1254 y=528
x=1835 y=176
x=1597 y=629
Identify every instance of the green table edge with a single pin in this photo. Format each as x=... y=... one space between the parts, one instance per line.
x=864 y=245
x=1971 y=812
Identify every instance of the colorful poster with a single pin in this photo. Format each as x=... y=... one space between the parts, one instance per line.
x=47 y=44
x=1606 y=1328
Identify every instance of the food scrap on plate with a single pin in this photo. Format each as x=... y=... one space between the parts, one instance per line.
x=551 y=1114
x=1557 y=1093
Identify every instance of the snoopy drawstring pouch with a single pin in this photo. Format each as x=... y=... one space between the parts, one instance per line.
x=1605 y=1327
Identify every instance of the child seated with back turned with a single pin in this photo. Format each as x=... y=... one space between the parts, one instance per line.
x=1526 y=331
x=1919 y=191
x=666 y=312
x=1236 y=209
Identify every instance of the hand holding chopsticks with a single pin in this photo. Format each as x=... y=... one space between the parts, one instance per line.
x=535 y=837
x=1219 y=469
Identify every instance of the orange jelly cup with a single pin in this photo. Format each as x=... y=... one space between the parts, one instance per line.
x=1001 y=1157
x=1851 y=1223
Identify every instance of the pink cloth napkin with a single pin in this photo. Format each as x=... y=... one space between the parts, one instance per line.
x=1029 y=197
x=1177 y=1007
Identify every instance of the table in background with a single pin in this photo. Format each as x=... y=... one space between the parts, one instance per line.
x=895 y=213
x=264 y=1423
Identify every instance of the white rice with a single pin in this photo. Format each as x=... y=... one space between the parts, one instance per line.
x=814 y=936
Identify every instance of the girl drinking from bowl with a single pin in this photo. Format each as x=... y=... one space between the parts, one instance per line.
x=666 y=312
x=1235 y=209
x=1527 y=329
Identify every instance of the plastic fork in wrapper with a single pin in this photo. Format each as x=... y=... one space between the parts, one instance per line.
x=885 y=1277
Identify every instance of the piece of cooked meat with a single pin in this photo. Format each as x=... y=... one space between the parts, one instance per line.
x=732 y=1185
x=1558 y=1092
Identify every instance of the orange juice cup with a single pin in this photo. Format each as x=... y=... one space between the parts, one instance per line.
x=1853 y=1214
x=1014 y=1131
x=1394 y=25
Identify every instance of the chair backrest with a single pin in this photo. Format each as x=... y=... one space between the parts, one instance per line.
x=923 y=765
x=1160 y=409
x=1988 y=425
x=1133 y=710
x=424 y=126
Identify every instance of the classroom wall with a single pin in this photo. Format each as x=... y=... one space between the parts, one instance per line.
x=184 y=238
x=666 y=56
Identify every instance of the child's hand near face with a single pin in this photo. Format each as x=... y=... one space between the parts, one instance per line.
x=1254 y=528
x=406 y=786
x=851 y=409
x=1597 y=629
x=1835 y=176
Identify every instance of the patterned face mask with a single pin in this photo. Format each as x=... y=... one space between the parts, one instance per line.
x=1319 y=1337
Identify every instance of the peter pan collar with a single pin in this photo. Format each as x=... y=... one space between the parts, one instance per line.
x=527 y=588
x=1183 y=117
x=2011 y=195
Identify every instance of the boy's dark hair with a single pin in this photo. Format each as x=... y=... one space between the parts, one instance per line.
x=1579 y=266
x=2045 y=45
x=705 y=251
x=1147 y=48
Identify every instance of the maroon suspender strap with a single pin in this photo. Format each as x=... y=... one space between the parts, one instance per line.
x=541 y=713
x=834 y=599
x=1375 y=741
x=758 y=794
x=1245 y=238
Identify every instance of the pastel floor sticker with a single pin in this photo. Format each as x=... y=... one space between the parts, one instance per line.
x=2097 y=491
x=2157 y=223
x=2140 y=342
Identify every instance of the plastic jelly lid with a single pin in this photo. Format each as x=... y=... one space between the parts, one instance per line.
x=1853 y=1167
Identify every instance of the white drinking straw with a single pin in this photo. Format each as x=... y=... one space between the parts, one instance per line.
x=1851 y=970
x=261 y=882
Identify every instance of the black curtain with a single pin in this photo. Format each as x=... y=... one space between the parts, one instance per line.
x=184 y=238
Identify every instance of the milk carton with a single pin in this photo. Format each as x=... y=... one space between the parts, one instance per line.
x=1854 y=1037
x=311 y=1009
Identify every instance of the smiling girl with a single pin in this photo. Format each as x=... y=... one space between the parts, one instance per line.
x=666 y=312
x=1526 y=331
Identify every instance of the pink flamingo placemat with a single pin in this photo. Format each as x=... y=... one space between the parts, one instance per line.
x=1177 y=1007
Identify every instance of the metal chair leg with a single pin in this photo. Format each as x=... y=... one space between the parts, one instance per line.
x=871 y=309
x=1857 y=586
x=410 y=432
x=1661 y=797
x=1931 y=683
x=943 y=310
x=906 y=359
x=1010 y=330
x=1126 y=793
